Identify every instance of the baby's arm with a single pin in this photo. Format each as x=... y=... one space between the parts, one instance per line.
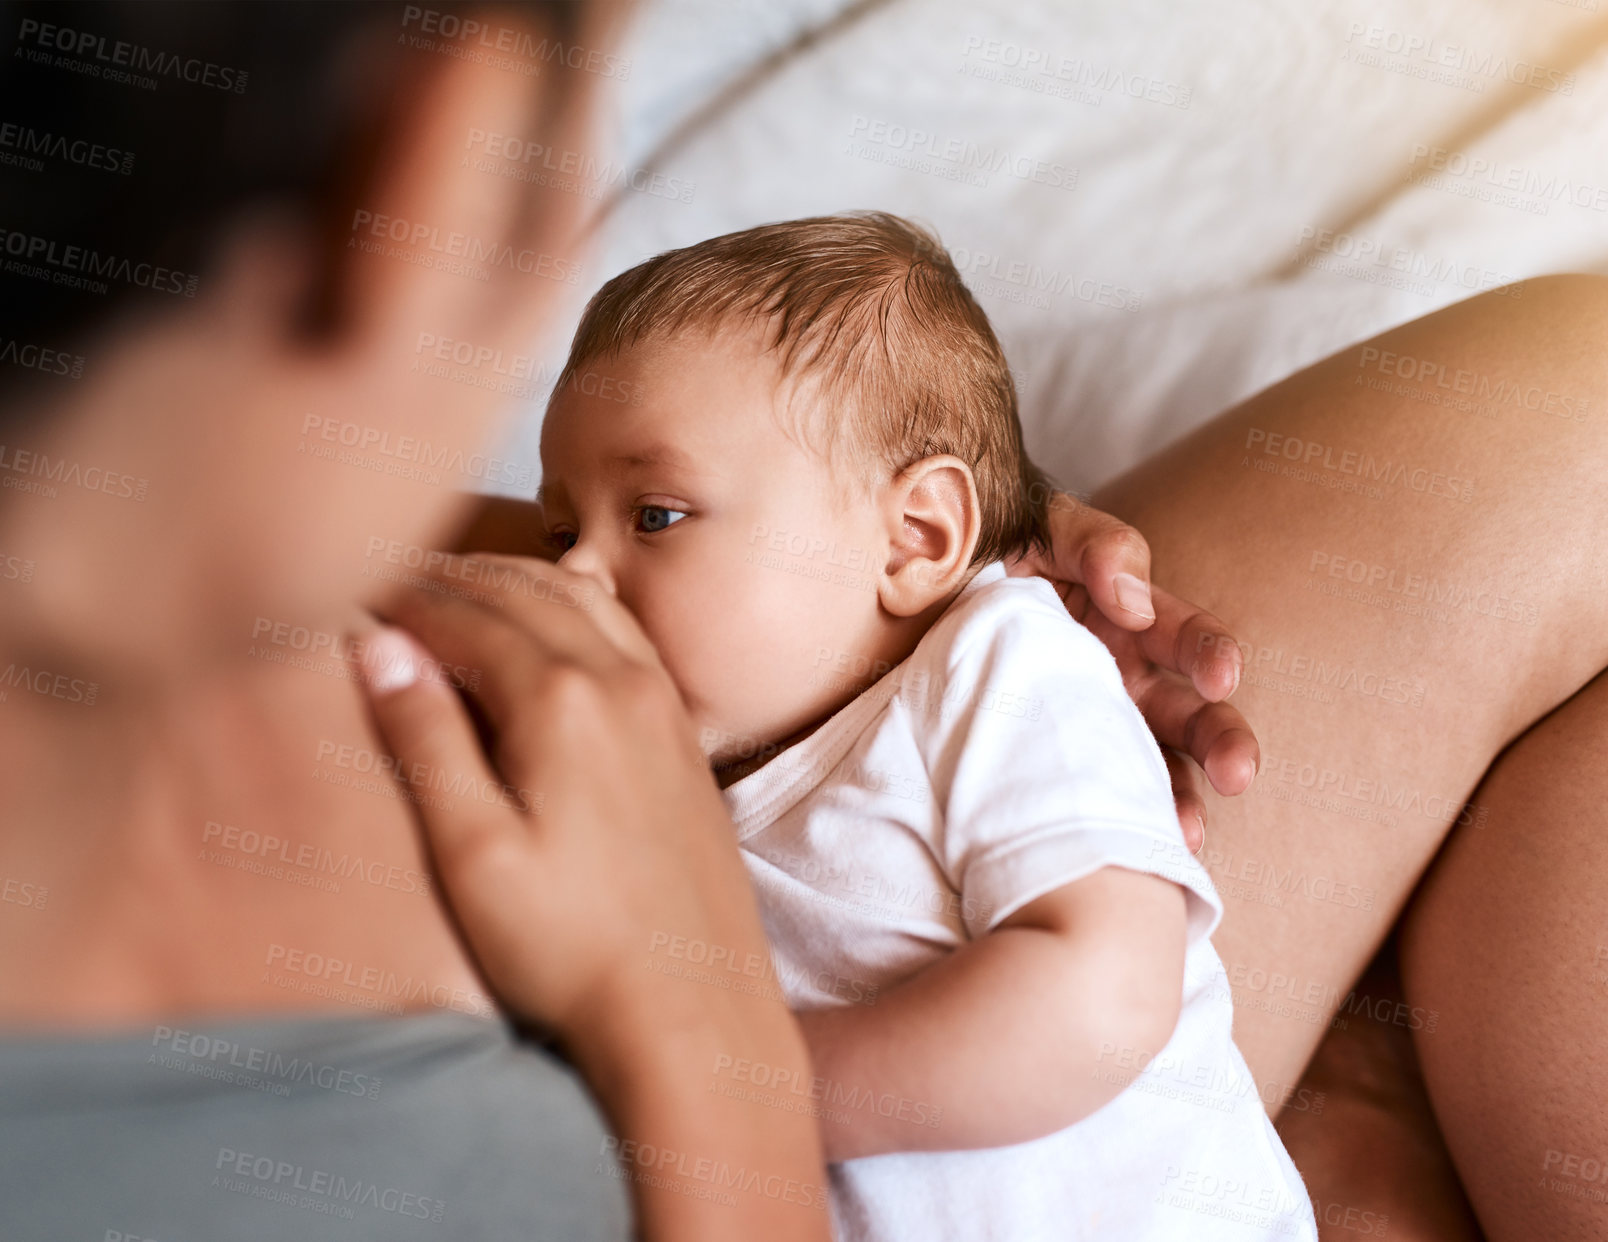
x=1005 y=1035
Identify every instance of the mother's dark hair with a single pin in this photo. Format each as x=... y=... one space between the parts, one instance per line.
x=284 y=122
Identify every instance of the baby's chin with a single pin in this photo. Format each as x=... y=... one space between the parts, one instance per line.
x=725 y=747
x=730 y=730
x=748 y=718
x=733 y=755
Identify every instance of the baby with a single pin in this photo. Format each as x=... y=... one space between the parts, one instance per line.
x=960 y=830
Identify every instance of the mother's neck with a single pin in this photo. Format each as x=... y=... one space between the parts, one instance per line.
x=170 y=854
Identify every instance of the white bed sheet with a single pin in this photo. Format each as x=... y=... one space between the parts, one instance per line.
x=1225 y=153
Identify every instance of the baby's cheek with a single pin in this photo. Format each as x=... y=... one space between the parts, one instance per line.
x=750 y=642
x=749 y=652
x=714 y=634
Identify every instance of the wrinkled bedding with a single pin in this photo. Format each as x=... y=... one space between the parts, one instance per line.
x=1162 y=207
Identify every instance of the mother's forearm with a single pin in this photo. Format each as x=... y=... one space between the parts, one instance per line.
x=651 y=1059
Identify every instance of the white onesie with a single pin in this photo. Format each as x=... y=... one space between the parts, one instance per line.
x=1000 y=761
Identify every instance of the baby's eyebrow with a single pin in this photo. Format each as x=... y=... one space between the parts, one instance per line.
x=654 y=455
x=657 y=455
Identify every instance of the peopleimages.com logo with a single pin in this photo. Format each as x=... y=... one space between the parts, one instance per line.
x=117 y=60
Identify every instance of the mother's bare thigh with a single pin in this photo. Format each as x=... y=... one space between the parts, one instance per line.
x=1515 y=1068
x=1409 y=536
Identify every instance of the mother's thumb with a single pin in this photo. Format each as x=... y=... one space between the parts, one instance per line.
x=428 y=731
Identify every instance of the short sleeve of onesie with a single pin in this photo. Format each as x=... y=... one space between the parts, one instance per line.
x=1043 y=766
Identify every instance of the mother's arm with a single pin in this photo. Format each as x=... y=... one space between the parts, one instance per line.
x=610 y=850
x=1178 y=662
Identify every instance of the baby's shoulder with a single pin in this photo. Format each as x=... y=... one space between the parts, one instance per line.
x=1010 y=624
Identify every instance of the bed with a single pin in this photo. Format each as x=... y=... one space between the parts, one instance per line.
x=1162 y=207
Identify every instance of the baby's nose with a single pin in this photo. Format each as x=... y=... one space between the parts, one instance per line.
x=583 y=559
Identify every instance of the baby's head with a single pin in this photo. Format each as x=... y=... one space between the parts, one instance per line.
x=785 y=451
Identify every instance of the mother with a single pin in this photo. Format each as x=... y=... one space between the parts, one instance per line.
x=156 y=730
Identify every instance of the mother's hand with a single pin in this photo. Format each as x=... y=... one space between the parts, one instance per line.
x=597 y=842
x=1177 y=661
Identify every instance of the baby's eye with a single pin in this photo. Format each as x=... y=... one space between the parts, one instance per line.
x=652 y=518
x=563 y=540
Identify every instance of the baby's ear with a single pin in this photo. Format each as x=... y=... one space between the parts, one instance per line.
x=933 y=526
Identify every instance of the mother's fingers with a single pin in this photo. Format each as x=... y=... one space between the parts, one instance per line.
x=1189 y=640
x=1109 y=557
x=526 y=588
x=432 y=740
x=526 y=633
x=1214 y=735
x=569 y=616
x=488 y=656
x=1191 y=807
